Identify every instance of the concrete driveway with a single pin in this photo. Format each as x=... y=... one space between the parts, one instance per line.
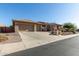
x=31 y=40
x=34 y=39
x=68 y=47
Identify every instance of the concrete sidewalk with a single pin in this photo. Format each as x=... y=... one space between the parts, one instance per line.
x=30 y=40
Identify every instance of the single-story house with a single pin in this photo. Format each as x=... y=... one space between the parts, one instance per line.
x=29 y=25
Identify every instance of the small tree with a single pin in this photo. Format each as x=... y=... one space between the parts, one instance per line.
x=11 y=28
x=69 y=27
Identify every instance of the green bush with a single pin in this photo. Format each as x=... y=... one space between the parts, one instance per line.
x=70 y=27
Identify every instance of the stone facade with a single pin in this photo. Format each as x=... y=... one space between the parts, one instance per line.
x=57 y=29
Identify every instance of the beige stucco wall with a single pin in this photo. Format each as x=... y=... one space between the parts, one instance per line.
x=27 y=26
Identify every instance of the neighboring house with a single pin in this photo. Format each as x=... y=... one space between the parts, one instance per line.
x=28 y=25
x=5 y=29
x=2 y=27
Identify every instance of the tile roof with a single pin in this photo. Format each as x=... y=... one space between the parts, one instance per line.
x=55 y=24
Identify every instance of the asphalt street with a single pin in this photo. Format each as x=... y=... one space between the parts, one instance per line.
x=67 y=47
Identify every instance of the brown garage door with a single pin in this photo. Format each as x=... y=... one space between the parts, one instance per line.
x=26 y=27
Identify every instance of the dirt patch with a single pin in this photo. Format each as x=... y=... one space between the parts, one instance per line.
x=3 y=38
x=9 y=38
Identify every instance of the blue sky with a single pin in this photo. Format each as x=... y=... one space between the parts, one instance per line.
x=58 y=13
